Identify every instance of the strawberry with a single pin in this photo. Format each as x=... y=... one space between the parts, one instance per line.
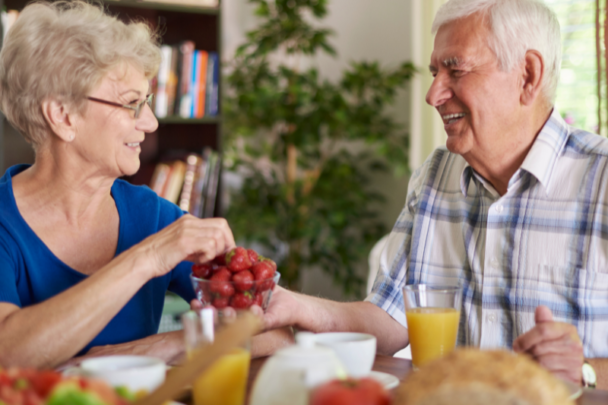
x=241 y=300
x=202 y=270
x=253 y=256
x=243 y=280
x=262 y=274
x=220 y=302
x=258 y=299
x=221 y=274
x=270 y=262
x=238 y=259
x=220 y=259
x=219 y=283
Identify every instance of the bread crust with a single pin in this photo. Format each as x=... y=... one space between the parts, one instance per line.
x=476 y=377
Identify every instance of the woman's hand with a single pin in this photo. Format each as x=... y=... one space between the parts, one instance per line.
x=189 y=238
x=166 y=346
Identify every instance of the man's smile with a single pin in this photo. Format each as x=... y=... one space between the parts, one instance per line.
x=451 y=118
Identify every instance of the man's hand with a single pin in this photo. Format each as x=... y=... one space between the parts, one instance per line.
x=283 y=310
x=554 y=345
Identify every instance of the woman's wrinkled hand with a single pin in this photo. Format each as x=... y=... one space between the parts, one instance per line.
x=187 y=239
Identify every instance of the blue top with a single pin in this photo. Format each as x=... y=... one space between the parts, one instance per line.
x=30 y=273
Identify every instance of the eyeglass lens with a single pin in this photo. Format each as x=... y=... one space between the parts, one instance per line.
x=148 y=100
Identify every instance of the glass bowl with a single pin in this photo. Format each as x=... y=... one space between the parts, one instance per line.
x=222 y=294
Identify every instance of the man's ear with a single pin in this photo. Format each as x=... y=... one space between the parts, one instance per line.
x=59 y=118
x=533 y=77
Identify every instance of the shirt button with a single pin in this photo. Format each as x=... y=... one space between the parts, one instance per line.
x=491 y=318
x=494 y=262
x=499 y=208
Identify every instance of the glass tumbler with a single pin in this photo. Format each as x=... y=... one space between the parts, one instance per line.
x=225 y=381
x=433 y=314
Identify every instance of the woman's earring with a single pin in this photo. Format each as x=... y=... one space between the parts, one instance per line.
x=72 y=137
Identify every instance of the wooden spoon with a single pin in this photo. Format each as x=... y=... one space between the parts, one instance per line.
x=232 y=336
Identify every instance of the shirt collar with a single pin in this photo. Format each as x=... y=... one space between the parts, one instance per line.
x=542 y=157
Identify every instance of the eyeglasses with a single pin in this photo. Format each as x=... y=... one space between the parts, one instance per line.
x=137 y=108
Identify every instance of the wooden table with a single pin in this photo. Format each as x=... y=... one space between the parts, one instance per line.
x=400 y=368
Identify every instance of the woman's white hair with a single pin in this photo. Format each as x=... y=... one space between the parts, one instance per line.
x=63 y=50
x=517 y=26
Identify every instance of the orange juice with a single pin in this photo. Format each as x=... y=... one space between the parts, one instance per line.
x=224 y=382
x=432 y=332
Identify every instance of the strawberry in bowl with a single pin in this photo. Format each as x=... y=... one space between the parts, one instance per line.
x=238 y=279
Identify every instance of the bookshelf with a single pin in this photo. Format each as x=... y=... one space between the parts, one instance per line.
x=176 y=136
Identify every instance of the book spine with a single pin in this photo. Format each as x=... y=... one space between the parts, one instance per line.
x=215 y=91
x=194 y=84
x=202 y=82
x=159 y=178
x=185 y=103
x=199 y=187
x=163 y=77
x=212 y=183
x=211 y=63
x=185 y=197
x=176 y=181
x=172 y=80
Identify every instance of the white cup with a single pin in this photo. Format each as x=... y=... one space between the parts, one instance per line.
x=134 y=372
x=356 y=351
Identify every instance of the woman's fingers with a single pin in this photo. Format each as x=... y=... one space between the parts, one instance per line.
x=189 y=238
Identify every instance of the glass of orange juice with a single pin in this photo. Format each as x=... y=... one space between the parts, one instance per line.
x=225 y=381
x=433 y=314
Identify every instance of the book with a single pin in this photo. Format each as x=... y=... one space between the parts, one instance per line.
x=185 y=198
x=194 y=71
x=197 y=199
x=162 y=79
x=214 y=169
x=159 y=178
x=212 y=91
x=175 y=181
x=202 y=84
x=172 y=80
x=182 y=105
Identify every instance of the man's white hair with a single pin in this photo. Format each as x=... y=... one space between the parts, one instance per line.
x=516 y=27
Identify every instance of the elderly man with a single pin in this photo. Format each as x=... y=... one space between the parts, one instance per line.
x=516 y=208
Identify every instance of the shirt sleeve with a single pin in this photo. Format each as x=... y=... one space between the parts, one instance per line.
x=8 y=277
x=180 y=282
x=386 y=292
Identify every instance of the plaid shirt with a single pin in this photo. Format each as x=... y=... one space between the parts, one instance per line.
x=545 y=242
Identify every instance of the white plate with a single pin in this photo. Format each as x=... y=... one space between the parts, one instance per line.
x=575 y=390
x=389 y=381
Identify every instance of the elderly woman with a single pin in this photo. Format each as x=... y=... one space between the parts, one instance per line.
x=86 y=259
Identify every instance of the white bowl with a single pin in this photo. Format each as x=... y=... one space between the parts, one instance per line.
x=134 y=372
x=356 y=351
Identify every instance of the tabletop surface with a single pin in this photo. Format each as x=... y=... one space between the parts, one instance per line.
x=400 y=368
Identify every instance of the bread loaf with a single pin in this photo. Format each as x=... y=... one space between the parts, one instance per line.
x=476 y=377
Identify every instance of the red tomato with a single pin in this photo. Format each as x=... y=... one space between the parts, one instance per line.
x=44 y=382
x=5 y=379
x=364 y=391
x=31 y=398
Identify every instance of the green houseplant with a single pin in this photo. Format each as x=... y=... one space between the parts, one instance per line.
x=306 y=146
